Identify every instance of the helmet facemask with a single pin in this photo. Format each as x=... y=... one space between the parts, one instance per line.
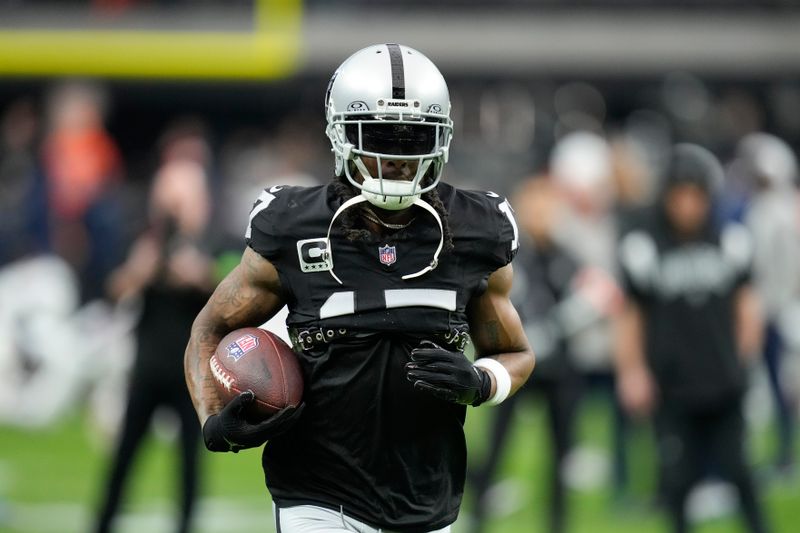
x=413 y=136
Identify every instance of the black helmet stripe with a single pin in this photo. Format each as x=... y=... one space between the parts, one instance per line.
x=398 y=76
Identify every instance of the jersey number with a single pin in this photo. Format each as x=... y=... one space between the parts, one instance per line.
x=344 y=302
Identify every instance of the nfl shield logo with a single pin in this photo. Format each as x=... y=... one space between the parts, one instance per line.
x=387 y=254
x=241 y=346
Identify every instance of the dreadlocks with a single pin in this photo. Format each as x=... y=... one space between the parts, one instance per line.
x=354 y=230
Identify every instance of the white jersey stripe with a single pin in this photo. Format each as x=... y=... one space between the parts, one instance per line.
x=439 y=298
x=338 y=304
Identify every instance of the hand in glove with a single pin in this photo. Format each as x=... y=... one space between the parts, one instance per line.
x=230 y=431
x=449 y=376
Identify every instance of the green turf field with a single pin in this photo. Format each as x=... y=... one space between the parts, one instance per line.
x=50 y=482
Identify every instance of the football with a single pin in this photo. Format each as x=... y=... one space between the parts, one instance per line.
x=257 y=360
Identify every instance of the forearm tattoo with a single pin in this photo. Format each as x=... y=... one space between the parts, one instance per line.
x=242 y=299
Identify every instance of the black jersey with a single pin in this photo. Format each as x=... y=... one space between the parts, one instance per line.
x=367 y=441
x=686 y=291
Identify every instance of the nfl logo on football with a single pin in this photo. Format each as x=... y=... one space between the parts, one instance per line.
x=387 y=254
x=241 y=346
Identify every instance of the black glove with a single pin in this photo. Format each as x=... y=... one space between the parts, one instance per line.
x=230 y=431
x=449 y=376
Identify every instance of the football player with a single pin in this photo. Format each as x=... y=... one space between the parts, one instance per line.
x=388 y=273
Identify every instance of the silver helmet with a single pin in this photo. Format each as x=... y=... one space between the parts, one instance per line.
x=389 y=102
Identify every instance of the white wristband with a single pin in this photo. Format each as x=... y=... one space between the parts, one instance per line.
x=501 y=377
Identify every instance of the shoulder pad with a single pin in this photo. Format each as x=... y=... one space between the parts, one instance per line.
x=271 y=221
x=509 y=231
x=488 y=217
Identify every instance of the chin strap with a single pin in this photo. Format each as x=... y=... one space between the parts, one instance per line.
x=435 y=262
x=349 y=203
x=419 y=202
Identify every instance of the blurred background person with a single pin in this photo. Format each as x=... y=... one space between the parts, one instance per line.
x=773 y=218
x=171 y=271
x=556 y=298
x=582 y=168
x=23 y=214
x=83 y=169
x=690 y=330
